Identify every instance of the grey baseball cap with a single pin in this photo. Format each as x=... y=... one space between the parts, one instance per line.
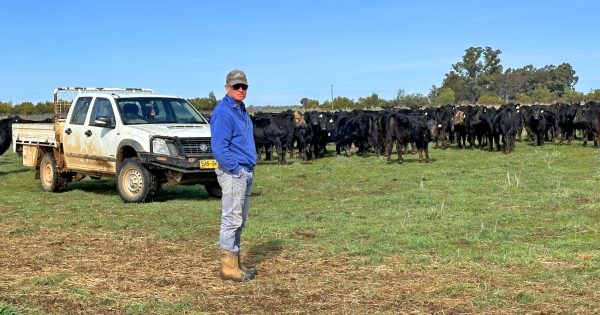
x=236 y=77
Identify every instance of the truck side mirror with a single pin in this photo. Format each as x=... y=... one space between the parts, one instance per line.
x=104 y=121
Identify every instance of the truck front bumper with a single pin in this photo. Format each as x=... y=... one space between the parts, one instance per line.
x=182 y=169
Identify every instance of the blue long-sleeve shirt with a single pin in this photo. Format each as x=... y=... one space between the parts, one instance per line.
x=232 y=137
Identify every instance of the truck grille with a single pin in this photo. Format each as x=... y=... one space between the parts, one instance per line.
x=195 y=146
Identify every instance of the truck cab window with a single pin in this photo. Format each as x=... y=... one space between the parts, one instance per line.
x=102 y=109
x=80 y=111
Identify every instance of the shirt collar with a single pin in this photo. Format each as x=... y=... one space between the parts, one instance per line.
x=232 y=103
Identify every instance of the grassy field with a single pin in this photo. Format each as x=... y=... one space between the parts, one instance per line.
x=472 y=232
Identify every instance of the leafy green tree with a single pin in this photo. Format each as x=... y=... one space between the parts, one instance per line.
x=489 y=100
x=341 y=102
x=414 y=101
x=473 y=76
x=25 y=108
x=593 y=95
x=446 y=96
x=433 y=93
x=309 y=104
x=523 y=98
x=571 y=96
x=558 y=79
x=44 y=108
x=5 y=109
x=543 y=95
x=372 y=101
x=204 y=103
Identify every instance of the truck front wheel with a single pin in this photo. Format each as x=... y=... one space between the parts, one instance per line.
x=214 y=190
x=134 y=182
x=50 y=177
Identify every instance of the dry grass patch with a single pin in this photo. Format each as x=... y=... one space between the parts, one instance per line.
x=96 y=272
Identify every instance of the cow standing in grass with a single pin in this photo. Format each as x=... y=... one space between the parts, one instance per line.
x=6 y=133
x=589 y=115
x=404 y=129
x=507 y=121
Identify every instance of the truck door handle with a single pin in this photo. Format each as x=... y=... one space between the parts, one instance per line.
x=68 y=131
x=88 y=133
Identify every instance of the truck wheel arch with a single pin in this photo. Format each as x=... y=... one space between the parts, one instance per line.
x=128 y=149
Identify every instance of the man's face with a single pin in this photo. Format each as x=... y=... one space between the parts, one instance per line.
x=237 y=91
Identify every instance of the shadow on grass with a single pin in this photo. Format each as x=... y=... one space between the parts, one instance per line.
x=264 y=251
x=100 y=187
x=23 y=170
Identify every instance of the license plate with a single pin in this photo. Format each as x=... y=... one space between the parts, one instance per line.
x=209 y=164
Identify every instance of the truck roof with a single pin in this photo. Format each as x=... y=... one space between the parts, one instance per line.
x=128 y=95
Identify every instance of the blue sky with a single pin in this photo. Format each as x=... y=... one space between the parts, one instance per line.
x=288 y=49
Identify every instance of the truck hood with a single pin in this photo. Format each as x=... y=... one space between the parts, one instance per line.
x=172 y=130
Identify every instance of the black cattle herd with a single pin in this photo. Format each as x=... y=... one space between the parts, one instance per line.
x=365 y=131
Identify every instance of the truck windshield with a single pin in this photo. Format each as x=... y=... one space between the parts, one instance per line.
x=158 y=110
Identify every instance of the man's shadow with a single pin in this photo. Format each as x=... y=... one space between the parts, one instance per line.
x=258 y=253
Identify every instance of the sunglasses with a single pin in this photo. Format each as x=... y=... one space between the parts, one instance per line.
x=238 y=86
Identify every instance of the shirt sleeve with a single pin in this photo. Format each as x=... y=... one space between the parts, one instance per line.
x=221 y=130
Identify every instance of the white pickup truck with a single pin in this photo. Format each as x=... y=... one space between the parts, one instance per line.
x=143 y=139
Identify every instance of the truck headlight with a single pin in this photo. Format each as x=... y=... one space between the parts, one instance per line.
x=159 y=146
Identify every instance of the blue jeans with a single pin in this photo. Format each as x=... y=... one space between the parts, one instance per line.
x=235 y=204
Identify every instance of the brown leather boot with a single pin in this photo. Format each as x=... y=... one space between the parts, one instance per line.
x=231 y=270
x=244 y=268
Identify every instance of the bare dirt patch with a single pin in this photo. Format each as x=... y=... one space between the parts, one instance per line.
x=71 y=272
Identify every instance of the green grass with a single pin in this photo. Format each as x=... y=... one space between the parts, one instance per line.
x=519 y=222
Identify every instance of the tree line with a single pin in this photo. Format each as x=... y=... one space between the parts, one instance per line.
x=478 y=78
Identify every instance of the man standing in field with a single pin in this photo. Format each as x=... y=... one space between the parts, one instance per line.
x=232 y=142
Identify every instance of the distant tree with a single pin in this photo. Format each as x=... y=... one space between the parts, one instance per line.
x=372 y=101
x=543 y=95
x=25 y=108
x=446 y=96
x=571 y=96
x=341 y=102
x=558 y=79
x=414 y=101
x=474 y=75
x=309 y=104
x=6 y=109
x=44 y=108
x=204 y=103
x=490 y=99
x=593 y=95
x=433 y=93
x=523 y=98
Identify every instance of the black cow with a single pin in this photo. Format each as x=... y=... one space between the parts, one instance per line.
x=6 y=133
x=276 y=130
x=404 y=129
x=483 y=124
x=566 y=127
x=6 y=130
x=444 y=117
x=507 y=121
x=353 y=128
x=319 y=125
x=379 y=130
x=459 y=127
x=538 y=124
x=589 y=115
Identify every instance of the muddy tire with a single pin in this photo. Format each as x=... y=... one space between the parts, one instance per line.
x=50 y=177
x=135 y=183
x=214 y=190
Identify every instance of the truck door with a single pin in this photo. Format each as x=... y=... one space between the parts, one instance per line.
x=73 y=134
x=100 y=137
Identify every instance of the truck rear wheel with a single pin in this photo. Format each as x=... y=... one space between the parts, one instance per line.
x=136 y=183
x=50 y=177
